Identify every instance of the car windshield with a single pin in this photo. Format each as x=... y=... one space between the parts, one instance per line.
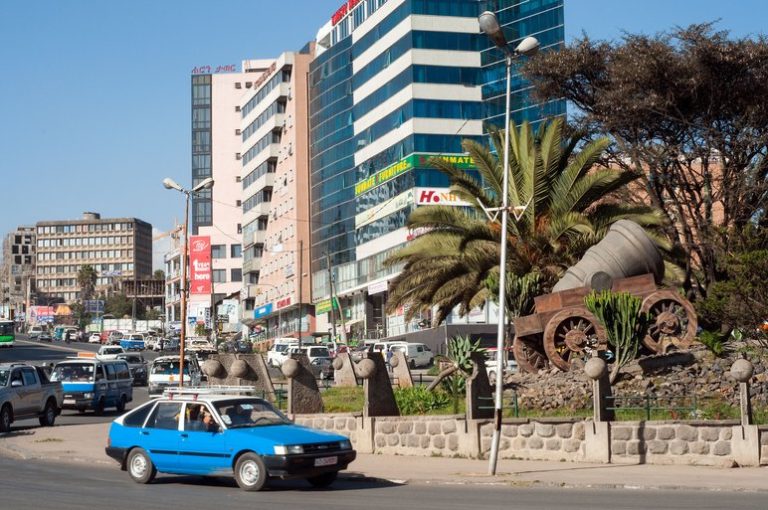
x=4 y=374
x=168 y=368
x=137 y=337
x=249 y=412
x=319 y=352
x=73 y=372
x=131 y=359
x=113 y=350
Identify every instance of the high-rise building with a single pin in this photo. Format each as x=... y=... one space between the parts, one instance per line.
x=216 y=152
x=394 y=83
x=17 y=271
x=117 y=248
x=275 y=199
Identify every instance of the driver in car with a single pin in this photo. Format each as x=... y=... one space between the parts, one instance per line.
x=238 y=415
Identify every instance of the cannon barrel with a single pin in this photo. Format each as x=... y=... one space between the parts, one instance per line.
x=626 y=250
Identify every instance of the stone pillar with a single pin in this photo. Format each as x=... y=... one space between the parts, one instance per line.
x=303 y=393
x=379 y=398
x=400 y=370
x=597 y=442
x=240 y=370
x=597 y=370
x=745 y=441
x=479 y=398
x=344 y=370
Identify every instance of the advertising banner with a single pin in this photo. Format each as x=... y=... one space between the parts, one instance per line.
x=438 y=196
x=200 y=265
x=416 y=160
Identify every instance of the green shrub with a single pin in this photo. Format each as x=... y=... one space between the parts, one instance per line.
x=419 y=400
x=714 y=341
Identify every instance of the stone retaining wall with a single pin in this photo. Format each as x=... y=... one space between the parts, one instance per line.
x=708 y=443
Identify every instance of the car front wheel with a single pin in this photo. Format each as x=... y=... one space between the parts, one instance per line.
x=250 y=472
x=140 y=467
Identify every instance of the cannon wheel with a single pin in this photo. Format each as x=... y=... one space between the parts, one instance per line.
x=569 y=332
x=672 y=316
x=529 y=354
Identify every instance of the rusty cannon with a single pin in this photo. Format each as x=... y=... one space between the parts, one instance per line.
x=562 y=329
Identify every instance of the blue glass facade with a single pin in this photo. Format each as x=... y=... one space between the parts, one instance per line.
x=202 y=207
x=335 y=170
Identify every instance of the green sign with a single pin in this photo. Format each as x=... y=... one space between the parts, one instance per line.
x=416 y=160
x=324 y=306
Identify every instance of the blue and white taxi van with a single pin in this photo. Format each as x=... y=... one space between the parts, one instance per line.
x=94 y=384
x=223 y=432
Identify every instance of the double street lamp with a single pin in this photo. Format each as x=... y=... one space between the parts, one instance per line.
x=188 y=193
x=528 y=46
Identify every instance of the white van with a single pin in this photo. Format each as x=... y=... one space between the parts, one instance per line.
x=418 y=355
x=510 y=365
x=165 y=373
x=279 y=351
x=35 y=331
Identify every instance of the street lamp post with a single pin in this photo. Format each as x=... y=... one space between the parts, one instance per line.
x=528 y=46
x=171 y=184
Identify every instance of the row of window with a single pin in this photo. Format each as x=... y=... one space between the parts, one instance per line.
x=84 y=241
x=85 y=255
x=266 y=141
x=220 y=275
x=271 y=111
x=283 y=76
x=88 y=227
x=260 y=197
x=75 y=268
x=268 y=167
x=219 y=251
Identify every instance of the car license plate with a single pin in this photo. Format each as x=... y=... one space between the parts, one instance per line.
x=68 y=401
x=326 y=461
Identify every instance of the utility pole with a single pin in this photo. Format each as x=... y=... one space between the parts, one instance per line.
x=330 y=286
x=301 y=278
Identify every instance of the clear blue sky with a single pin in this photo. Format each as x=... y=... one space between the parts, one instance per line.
x=94 y=95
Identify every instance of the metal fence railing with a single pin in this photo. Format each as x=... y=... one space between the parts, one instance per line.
x=650 y=404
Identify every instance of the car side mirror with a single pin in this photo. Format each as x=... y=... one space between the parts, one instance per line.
x=16 y=383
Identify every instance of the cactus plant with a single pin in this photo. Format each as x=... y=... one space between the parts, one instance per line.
x=625 y=325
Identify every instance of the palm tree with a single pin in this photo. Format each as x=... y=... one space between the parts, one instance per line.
x=86 y=280
x=565 y=204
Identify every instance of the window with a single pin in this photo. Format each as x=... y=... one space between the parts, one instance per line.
x=219 y=276
x=236 y=251
x=137 y=417
x=218 y=251
x=166 y=416
x=237 y=275
x=29 y=376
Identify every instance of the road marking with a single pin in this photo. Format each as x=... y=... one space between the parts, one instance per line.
x=51 y=346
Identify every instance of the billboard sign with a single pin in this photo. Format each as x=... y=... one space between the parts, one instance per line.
x=379 y=211
x=438 y=196
x=416 y=160
x=200 y=265
x=94 y=306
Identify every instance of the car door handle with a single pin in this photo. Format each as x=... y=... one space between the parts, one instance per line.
x=185 y=435
x=144 y=433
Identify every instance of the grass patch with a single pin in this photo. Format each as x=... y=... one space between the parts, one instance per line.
x=343 y=400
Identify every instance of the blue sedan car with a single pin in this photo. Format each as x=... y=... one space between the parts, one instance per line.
x=210 y=435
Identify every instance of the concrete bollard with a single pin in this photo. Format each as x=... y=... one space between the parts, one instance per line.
x=742 y=371
x=597 y=370
x=303 y=393
x=745 y=442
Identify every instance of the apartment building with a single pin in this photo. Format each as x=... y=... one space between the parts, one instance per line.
x=17 y=271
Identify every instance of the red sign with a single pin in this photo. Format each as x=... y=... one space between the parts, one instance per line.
x=200 y=265
x=343 y=10
x=282 y=303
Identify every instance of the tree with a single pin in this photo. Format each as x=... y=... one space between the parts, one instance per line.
x=118 y=305
x=686 y=109
x=159 y=274
x=569 y=203
x=86 y=280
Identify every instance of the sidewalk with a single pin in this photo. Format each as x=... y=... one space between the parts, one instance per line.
x=85 y=443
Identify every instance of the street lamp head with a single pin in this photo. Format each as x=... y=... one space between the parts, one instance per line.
x=204 y=184
x=528 y=47
x=489 y=24
x=171 y=184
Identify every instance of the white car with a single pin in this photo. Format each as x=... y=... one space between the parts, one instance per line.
x=110 y=352
x=279 y=351
x=95 y=338
x=418 y=355
x=491 y=364
x=165 y=373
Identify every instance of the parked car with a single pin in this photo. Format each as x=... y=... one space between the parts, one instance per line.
x=279 y=351
x=35 y=331
x=138 y=367
x=491 y=364
x=45 y=337
x=26 y=392
x=417 y=355
x=244 y=437
x=93 y=383
x=94 y=338
x=109 y=352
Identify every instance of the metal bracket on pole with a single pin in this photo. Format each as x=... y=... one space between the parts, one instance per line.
x=517 y=210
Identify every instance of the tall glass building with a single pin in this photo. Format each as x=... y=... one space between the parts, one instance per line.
x=394 y=83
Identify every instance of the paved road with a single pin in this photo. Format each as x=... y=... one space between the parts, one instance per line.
x=34 y=484
x=42 y=352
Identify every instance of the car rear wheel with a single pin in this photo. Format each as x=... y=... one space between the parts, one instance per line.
x=121 y=404
x=5 y=418
x=412 y=364
x=323 y=480
x=140 y=467
x=100 y=406
x=250 y=472
x=49 y=414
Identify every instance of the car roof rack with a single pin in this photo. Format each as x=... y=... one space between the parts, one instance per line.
x=203 y=391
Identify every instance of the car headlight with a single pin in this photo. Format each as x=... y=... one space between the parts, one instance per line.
x=345 y=445
x=139 y=370
x=87 y=395
x=288 y=450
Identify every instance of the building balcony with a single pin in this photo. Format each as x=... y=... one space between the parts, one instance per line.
x=251 y=266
